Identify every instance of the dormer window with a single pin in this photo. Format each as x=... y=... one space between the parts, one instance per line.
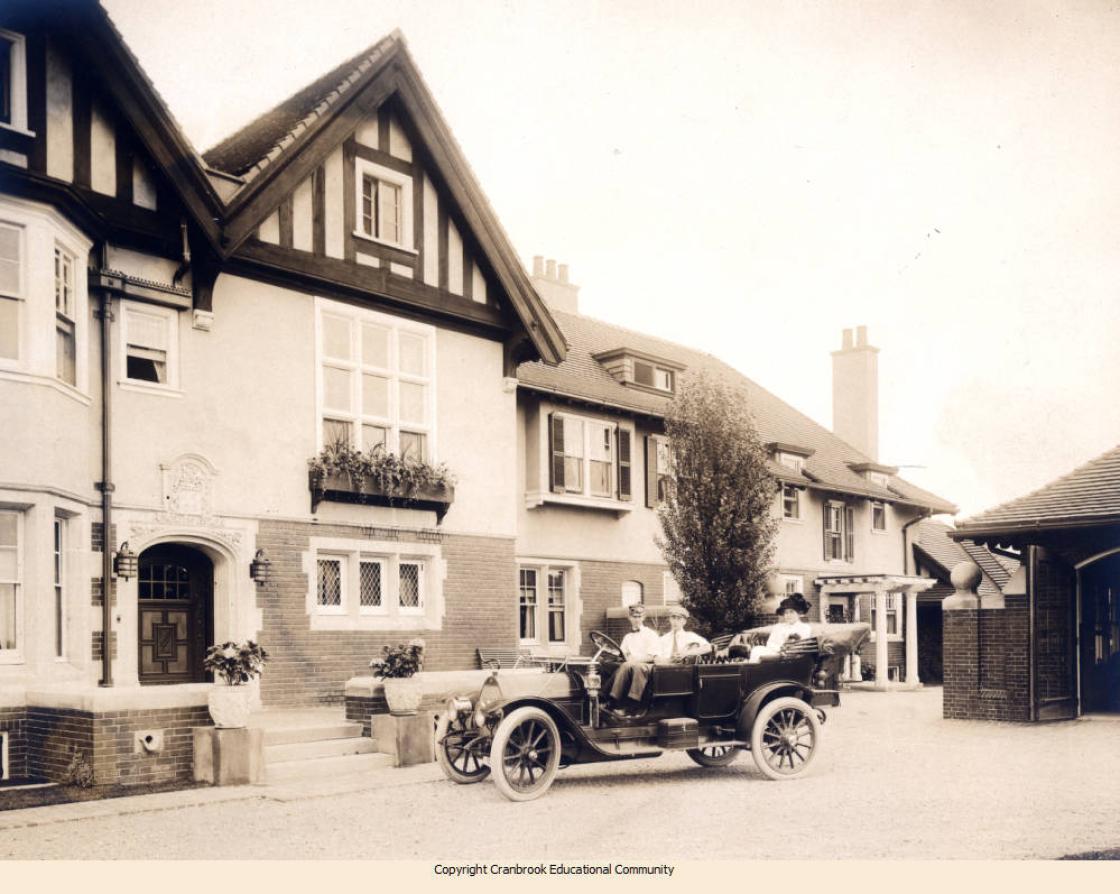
x=653 y=376
x=791 y=461
x=13 y=81
x=877 y=478
x=383 y=205
x=640 y=370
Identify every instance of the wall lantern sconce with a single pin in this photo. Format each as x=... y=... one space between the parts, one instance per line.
x=125 y=563
x=258 y=568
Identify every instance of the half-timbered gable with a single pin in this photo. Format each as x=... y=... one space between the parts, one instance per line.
x=354 y=186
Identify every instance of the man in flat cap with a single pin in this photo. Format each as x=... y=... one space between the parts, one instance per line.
x=679 y=644
x=639 y=647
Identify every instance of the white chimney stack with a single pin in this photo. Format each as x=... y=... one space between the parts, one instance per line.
x=551 y=282
x=855 y=393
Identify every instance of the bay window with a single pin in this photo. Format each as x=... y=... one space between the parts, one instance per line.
x=65 y=330
x=11 y=585
x=11 y=289
x=376 y=381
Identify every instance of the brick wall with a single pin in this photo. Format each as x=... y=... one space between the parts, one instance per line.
x=600 y=588
x=107 y=742
x=986 y=663
x=1055 y=588
x=310 y=667
x=13 y=721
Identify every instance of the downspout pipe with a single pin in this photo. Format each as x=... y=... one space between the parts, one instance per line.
x=906 y=540
x=105 y=485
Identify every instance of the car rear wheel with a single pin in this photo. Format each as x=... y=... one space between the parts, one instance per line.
x=784 y=738
x=713 y=755
x=525 y=755
x=461 y=756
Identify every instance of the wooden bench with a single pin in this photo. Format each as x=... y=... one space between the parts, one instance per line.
x=497 y=659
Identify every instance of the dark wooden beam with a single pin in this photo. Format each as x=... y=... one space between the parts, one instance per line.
x=319 y=211
x=83 y=114
x=124 y=150
x=418 y=217
x=444 y=239
x=349 y=208
x=286 y=227
x=37 y=101
x=468 y=279
x=383 y=128
x=315 y=275
x=383 y=158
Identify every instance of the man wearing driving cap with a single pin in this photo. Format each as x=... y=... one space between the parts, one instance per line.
x=639 y=647
x=679 y=643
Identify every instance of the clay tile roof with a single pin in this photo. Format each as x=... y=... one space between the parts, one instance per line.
x=1089 y=493
x=249 y=151
x=581 y=377
x=933 y=539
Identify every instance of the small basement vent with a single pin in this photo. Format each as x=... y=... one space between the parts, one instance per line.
x=3 y=756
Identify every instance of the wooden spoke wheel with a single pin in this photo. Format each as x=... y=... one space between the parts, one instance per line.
x=462 y=753
x=713 y=755
x=785 y=737
x=525 y=755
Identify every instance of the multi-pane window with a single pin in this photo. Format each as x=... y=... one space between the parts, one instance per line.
x=878 y=516
x=658 y=470
x=11 y=289
x=527 y=604
x=13 y=80
x=376 y=383
x=368 y=584
x=556 y=606
x=59 y=589
x=150 y=341
x=410 y=586
x=544 y=604
x=791 y=501
x=653 y=376
x=791 y=461
x=6 y=53
x=370 y=573
x=839 y=532
x=329 y=587
x=10 y=581
x=381 y=209
x=64 y=315
x=893 y=616
x=588 y=457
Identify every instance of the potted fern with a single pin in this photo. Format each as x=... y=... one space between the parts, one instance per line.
x=235 y=664
x=397 y=668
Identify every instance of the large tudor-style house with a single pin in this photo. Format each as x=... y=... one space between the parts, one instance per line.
x=180 y=335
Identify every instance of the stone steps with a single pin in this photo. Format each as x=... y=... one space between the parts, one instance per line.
x=315 y=744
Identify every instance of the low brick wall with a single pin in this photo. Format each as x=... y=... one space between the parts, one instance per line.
x=13 y=721
x=985 y=654
x=107 y=743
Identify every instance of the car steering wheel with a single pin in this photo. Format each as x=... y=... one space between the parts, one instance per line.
x=605 y=644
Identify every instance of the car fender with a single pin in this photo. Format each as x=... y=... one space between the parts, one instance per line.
x=753 y=703
x=564 y=723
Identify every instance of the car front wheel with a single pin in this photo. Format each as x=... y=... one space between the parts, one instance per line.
x=713 y=755
x=458 y=752
x=525 y=755
x=784 y=738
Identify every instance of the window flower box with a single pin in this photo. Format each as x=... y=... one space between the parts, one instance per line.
x=340 y=487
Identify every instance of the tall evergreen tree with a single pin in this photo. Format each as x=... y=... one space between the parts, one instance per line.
x=716 y=521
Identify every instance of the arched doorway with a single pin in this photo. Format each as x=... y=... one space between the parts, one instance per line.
x=1100 y=635
x=175 y=593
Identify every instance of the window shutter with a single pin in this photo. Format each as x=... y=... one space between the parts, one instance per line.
x=825 y=511
x=849 y=533
x=651 y=471
x=623 y=438
x=556 y=452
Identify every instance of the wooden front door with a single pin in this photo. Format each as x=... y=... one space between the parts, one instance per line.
x=1100 y=635
x=176 y=590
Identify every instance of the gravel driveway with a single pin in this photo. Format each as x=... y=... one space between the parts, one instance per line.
x=893 y=780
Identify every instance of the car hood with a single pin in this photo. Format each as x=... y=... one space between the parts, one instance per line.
x=524 y=685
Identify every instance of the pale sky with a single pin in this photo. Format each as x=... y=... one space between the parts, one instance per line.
x=750 y=178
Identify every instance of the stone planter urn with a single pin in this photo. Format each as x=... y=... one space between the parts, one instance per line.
x=403 y=695
x=229 y=706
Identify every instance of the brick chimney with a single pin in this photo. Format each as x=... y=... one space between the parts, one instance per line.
x=855 y=393
x=551 y=282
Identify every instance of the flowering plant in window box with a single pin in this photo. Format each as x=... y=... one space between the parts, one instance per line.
x=236 y=664
x=344 y=474
x=397 y=668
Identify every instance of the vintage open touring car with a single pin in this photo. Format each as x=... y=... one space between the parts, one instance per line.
x=521 y=728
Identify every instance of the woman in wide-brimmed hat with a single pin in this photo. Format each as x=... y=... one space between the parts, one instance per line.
x=789 y=626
